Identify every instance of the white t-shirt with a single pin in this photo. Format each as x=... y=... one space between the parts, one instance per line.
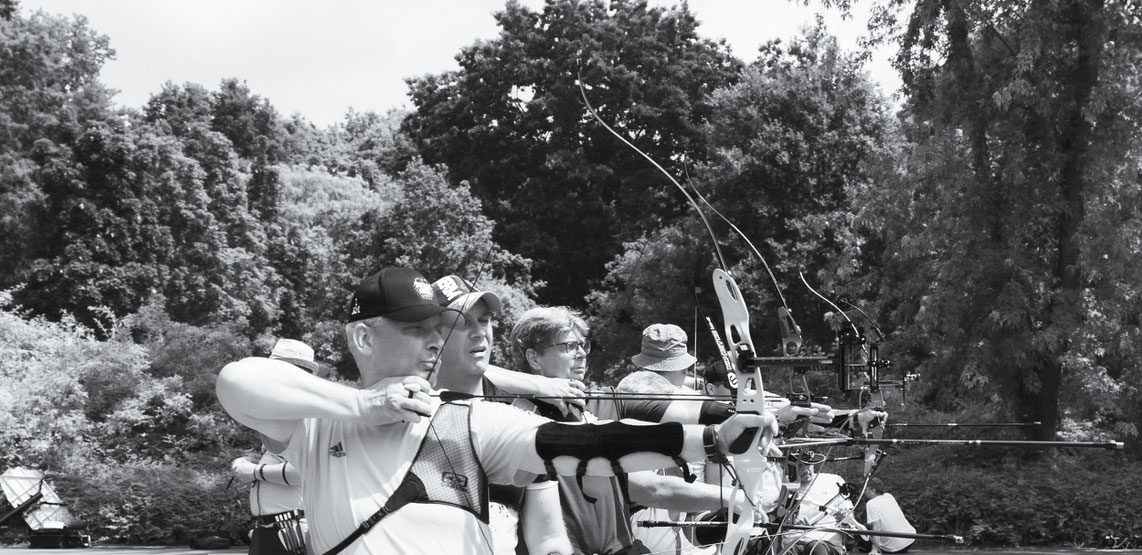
x=350 y=470
x=505 y=520
x=824 y=490
x=268 y=498
x=884 y=514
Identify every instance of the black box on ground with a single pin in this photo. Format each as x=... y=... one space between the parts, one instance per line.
x=56 y=539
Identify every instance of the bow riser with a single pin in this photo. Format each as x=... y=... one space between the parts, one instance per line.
x=751 y=463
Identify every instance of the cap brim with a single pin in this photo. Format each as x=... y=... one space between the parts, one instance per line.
x=670 y=364
x=468 y=300
x=418 y=313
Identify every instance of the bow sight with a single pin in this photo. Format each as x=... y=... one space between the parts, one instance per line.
x=856 y=362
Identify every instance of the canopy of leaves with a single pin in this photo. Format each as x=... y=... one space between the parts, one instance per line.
x=512 y=122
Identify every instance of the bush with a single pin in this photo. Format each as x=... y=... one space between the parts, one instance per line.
x=139 y=452
x=999 y=497
x=152 y=503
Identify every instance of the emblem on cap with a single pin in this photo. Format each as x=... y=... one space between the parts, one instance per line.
x=423 y=289
x=449 y=288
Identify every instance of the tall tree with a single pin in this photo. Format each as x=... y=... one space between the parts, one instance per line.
x=48 y=85
x=789 y=143
x=512 y=123
x=1015 y=211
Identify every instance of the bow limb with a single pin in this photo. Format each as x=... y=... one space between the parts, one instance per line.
x=685 y=193
x=751 y=464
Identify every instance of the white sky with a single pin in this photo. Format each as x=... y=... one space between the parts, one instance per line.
x=321 y=58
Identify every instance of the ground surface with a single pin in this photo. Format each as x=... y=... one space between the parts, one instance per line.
x=121 y=550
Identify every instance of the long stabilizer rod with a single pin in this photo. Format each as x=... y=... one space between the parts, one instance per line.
x=962 y=424
x=968 y=442
x=773 y=526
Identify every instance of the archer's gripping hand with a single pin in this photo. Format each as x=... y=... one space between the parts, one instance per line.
x=740 y=428
x=394 y=400
x=817 y=413
x=869 y=419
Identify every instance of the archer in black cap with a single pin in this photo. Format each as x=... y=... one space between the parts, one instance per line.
x=396 y=293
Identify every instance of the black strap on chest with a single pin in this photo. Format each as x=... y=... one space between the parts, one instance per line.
x=445 y=470
x=409 y=491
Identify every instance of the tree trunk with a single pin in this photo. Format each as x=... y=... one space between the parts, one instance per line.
x=1086 y=31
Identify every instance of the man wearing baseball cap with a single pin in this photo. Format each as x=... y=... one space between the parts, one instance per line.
x=387 y=468
x=528 y=513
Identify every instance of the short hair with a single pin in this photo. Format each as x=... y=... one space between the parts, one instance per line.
x=876 y=484
x=537 y=328
x=716 y=373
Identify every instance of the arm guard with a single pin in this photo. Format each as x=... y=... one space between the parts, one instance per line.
x=610 y=441
x=714 y=412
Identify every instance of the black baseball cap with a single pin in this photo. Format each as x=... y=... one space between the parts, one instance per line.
x=716 y=373
x=396 y=293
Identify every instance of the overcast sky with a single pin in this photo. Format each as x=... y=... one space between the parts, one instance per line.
x=322 y=58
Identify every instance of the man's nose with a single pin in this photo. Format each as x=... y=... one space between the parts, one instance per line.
x=435 y=338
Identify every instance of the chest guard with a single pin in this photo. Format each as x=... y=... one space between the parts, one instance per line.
x=446 y=468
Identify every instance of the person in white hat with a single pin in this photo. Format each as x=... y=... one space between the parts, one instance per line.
x=275 y=485
x=664 y=352
x=296 y=353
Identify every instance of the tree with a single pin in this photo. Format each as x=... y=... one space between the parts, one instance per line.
x=48 y=92
x=1016 y=207
x=370 y=146
x=511 y=122
x=440 y=229
x=789 y=144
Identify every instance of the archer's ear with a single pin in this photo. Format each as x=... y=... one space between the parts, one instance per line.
x=358 y=337
x=532 y=360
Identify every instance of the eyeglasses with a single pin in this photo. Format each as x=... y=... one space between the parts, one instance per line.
x=572 y=346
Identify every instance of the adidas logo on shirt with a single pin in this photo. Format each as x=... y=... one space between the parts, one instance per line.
x=337 y=450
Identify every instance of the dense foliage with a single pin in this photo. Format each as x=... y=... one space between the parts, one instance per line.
x=511 y=122
x=1009 y=217
x=989 y=229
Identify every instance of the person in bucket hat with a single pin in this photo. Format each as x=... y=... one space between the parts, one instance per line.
x=554 y=341
x=390 y=467
x=664 y=351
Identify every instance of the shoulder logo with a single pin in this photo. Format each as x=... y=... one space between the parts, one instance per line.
x=337 y=450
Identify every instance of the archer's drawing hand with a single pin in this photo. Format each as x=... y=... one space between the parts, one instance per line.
x=393 y=400
x=569 y=392
x=243 y=469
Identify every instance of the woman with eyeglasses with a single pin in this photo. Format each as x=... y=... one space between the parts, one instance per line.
x=554 y=342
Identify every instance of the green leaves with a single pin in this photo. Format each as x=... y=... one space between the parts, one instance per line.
x=562 y=190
